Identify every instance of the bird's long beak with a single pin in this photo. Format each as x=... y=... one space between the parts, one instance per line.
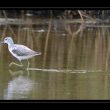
x=1 y=42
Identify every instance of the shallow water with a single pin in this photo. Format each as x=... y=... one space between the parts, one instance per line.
x=70 y=67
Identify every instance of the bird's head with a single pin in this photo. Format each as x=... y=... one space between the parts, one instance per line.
x=7 y=40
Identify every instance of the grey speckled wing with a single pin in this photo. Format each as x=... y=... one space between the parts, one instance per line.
x=21 y=50
x=19 y=53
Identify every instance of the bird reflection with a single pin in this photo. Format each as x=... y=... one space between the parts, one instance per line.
x=14 y=73
x=14 y=70
x=20 y=87
x=23 y=66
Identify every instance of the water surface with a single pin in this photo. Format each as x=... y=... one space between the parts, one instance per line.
x=72 y=66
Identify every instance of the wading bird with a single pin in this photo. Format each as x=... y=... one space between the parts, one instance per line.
x=19 y=51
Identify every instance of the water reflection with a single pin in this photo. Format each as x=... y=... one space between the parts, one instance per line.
x=73 y=65
x=20 y=87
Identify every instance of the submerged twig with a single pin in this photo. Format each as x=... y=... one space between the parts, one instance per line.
x=46 y=43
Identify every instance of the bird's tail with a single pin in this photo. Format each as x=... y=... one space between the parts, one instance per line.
x=38 y=53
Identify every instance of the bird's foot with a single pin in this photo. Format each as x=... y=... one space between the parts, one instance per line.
x=13 y=63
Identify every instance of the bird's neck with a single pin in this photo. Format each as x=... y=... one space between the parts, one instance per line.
x=10 y=44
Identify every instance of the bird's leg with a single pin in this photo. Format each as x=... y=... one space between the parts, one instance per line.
x=13 y=63
x=28 y=64
x=27 y=67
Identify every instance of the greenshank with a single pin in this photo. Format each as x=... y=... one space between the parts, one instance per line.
x=19 y=51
